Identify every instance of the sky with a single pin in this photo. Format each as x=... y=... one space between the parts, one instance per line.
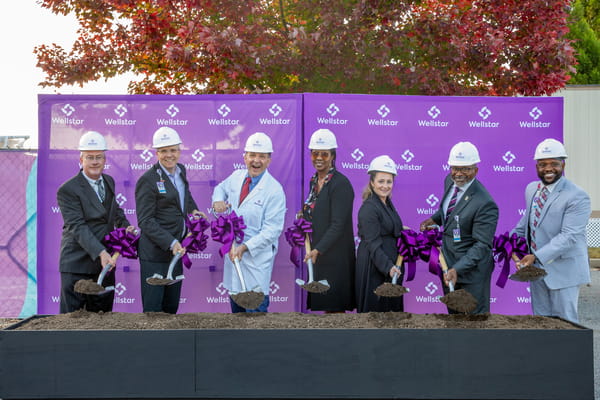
x=24 y=25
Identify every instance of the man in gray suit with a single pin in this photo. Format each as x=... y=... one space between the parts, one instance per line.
x=89 y=210
x=554 y=225
x=469 y=217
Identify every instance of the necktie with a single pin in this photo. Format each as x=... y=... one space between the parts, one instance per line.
x=245 y=189
x=101 y=190
x=539 y=201
x=452 y=203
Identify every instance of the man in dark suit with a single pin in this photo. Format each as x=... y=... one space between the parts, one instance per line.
x=89 y=210
x=163 y=201
x=469 y=217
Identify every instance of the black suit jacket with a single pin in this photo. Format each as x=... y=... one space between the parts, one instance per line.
x=160 y=216
x=478 y=216
x=86 y=222
x=333 y=236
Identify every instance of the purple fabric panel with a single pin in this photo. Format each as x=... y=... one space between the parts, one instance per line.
x=213 y=130
x=417 y=132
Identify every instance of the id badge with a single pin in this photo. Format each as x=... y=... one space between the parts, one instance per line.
x=161 y=187
x=456 y=234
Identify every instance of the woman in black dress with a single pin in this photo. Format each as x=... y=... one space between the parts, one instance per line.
x=379 y=227
x=329 y=208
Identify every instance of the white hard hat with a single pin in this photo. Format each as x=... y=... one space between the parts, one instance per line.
x=383 y=164
x=322 y=139
x=259 y=143
x=462 y=154
x=92 y=141
x=165 y=136
x=550 y=148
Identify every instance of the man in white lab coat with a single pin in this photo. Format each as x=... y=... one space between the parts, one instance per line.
x=259 y=198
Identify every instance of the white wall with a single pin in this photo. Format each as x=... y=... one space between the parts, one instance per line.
x=582 y=137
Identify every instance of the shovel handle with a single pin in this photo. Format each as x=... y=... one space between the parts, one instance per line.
x=174 y=260
x=107 y=268
x=444 y=266
x=307 y=244
x=399 y=260
x=238 y=268
x=516 y=260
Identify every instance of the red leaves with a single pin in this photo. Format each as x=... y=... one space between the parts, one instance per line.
x=438 y=47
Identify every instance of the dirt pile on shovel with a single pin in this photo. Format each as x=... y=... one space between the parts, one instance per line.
x=87 y=286
x=388 y=289
x=159 y=281
x=460 y=300
x=248 y=300
x=528 y=274
x=315 y=287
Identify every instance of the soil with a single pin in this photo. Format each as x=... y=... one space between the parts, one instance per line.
x=84 y=320
x=388 y=289
x=528 y=274
x=88 y=286
x=460 y=300
x=249 y=300
x=315 y=287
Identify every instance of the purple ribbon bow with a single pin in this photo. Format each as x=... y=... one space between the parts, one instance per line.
x=295 y=236
x=503 y=248
x=196 y=241
x=123 y=242
x=408 y=249
x=429 y=242
x=226 y=230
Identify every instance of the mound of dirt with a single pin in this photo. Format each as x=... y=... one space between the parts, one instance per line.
x=83 y=320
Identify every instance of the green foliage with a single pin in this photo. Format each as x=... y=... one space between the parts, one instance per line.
x=586 y=44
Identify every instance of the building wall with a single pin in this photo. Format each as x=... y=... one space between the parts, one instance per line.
x=582 y=137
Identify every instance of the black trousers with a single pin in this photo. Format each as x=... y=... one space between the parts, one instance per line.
x=160 y=298
x=71 y=301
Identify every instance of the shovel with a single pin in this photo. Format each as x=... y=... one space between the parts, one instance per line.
x=159 y=280
x=529 y=273
x=460 y=300
x=392 y=289
x=87 y=286
x=250 y=300
x=312 y=285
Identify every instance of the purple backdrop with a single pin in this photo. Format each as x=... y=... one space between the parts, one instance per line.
x=417 y=132
x=213 y=129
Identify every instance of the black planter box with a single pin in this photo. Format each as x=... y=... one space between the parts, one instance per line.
x=298 y=364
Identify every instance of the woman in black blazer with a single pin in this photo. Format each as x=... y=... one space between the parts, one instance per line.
x=329 y=208
x=379 y=227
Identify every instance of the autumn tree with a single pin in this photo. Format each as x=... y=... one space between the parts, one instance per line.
x=433 y=47
x=586 y=41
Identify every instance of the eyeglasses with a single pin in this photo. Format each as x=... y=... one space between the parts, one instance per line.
x=323 y=154
x=99 y=157
x=464 y=170
x=553 y=164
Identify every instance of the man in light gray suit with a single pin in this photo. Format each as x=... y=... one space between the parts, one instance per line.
x=554 y=225
x=469 y=217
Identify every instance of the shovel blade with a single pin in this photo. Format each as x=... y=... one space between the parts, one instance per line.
x=324 y=282
x=177 y=279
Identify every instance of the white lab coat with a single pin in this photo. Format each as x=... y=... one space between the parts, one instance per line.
x=264 y=214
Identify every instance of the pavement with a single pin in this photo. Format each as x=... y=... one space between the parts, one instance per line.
x=589 y=316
